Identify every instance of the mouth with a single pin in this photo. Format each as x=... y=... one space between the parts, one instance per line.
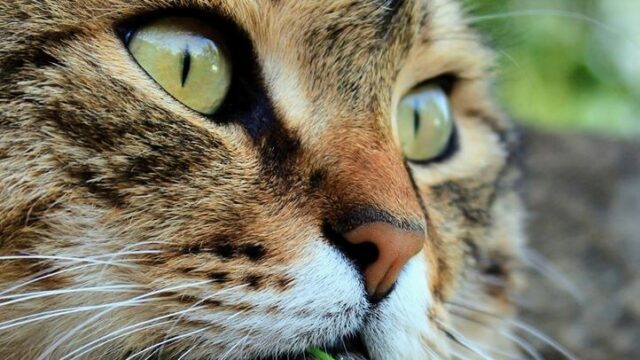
x=348 y=348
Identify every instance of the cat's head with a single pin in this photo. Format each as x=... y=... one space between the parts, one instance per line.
x=345 y=180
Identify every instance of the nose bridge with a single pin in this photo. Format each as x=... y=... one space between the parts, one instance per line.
x=373 y=173
x=374 y=201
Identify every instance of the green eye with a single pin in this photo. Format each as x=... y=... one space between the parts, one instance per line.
x=187 y=58
x=424 y=123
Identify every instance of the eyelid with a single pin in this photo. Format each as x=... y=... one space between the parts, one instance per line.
x=447 y=82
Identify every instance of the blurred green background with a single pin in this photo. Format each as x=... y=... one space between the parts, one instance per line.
x=567 y=65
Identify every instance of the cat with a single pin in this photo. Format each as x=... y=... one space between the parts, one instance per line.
x=253 y=179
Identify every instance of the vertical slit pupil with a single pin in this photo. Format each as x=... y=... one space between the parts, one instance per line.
x=416 y=118
x=186 y=66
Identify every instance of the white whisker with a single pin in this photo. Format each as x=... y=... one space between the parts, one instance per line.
x=543 y=337
x=110 y=338
x=522 y=326
x=67 y=311
x=126 y=252
x=45 y=275
x=114 y=335
x=458 y=355
x=187 y=352
x=539 y=263
x=57 y=313
x=40 y=294
x=118 y=254
x=239 y=343
x=170 y=340
x=136 y=299
x=63 y=258
x=218 y=293
x=525 y=346
x=463 y=341
x=520 y=342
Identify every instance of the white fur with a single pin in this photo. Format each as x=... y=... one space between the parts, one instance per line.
x=326 y=302
x=399 y=328
x=326 y=285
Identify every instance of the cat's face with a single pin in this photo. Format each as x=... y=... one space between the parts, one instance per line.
x=140 y=227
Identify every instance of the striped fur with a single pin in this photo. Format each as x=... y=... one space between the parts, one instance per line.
x=151 y=224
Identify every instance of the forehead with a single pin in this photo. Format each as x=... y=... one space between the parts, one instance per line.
x=348 y=45
x=350 y=56
x=323 y=59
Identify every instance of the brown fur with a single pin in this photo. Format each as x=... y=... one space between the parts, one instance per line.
x=96 y=159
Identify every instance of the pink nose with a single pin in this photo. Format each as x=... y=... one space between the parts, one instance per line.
x=395 y=247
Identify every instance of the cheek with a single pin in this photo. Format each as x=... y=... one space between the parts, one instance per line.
x=459 y=196
x=324 y=301
x=444 y=249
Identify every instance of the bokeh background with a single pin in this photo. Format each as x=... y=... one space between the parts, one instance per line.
x=568 y=65
x=569 y=73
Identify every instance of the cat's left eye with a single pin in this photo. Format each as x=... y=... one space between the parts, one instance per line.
x=424 y=123
x=187 y=58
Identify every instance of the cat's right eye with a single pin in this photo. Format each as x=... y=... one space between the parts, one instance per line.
x=187 y=58
x=424 y=122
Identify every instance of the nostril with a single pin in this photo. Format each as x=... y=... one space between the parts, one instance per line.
x=361 y=255
x=379 y=250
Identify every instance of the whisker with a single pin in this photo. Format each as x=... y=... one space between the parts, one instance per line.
x=528 y=348
x=170 y=340
x=461 y=340
x=242 y=341
x=218 y=293
x=117 y=254
x=458 y=355
x=187 y=352
x=132 y=246
x=529 y=329
x=24 y=320
x=40 y=294
x=134 y=300
x=57 y=313
x=540 y=264
x=525 y=345
x=64 y=258
x=543 y=337
x=42 y=275
x=45 y=274
x=126 y=331
x=104 y=340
